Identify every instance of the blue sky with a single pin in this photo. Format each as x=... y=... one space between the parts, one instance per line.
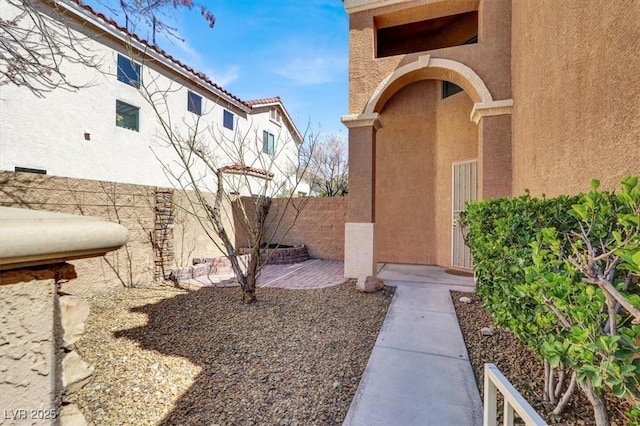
x=295 y=49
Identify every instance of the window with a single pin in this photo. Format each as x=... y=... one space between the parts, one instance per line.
x=128 y=71
x=268 y=143
x=227 y=119
x=450 y=89
x=127 y=116
x=194 y=103
x=30 y=170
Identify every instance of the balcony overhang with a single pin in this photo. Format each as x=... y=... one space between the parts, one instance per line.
x=354 y=6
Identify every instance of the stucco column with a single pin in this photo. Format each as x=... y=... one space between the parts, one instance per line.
x=494 y=152
x=359 y=238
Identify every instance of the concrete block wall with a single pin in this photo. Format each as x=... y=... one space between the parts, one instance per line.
x=133 y=206
x=316 y=222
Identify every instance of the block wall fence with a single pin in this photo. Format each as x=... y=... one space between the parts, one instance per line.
x=316 y=222
x=162 y=235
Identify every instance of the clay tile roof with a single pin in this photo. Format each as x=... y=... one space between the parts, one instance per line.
x=197 y=74
x=244 y=169
x=265 y=101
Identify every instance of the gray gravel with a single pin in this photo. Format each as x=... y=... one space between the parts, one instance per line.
x=168 y=356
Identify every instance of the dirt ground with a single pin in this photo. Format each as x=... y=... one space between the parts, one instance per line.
x=520 y=366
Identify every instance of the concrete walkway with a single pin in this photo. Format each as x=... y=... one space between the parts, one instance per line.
x=419 y=371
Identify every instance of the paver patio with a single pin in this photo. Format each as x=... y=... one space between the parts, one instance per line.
x=313 y=273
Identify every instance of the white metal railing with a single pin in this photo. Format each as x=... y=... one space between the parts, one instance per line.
x=495 y=381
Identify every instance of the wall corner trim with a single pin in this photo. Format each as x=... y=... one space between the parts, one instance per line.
x=362 y=120
x=487 y=109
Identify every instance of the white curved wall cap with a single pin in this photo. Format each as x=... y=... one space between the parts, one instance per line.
x=32 y=237
x=426 y=61
x=362 y=120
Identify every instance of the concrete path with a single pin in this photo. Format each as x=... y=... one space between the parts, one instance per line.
x=419 y=371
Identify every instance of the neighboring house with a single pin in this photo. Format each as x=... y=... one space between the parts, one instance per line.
x=455 y=100
x=110 y=131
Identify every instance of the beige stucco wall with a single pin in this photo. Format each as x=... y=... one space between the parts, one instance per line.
x=405 y=173
x=576 y=94
x=457 y=140
x=189 y=236
x=27 y=350
x=130 y=205
x=421 y=138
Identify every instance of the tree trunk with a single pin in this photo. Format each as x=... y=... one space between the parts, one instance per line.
x=545 y=393
x=567 y=395
x=597 y=402
x=249 y=290
x=552 y=387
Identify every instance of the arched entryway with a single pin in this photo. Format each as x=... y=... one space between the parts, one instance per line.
x=398 y=145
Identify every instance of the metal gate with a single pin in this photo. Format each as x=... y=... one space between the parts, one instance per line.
x=464 y=189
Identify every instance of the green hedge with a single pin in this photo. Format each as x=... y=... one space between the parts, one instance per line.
x=554 y=272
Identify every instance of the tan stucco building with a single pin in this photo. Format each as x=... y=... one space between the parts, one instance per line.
x=550 y=99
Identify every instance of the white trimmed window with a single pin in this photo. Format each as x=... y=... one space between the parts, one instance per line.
x=127 y=116
x=194 y=103
x=129 y=71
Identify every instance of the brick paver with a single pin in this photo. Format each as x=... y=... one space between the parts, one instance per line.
x=311 y=274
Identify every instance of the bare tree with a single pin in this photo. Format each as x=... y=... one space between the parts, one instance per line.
x=328 y=171
x=213 y=170
x=37 y=39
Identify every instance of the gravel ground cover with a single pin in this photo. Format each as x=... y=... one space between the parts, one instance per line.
x=164 y=355
x=520 y=366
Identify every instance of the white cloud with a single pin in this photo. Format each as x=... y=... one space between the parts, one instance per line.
x=225 y=77
x=313 y=70
x=191 y=57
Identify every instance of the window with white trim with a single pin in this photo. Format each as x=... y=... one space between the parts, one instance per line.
x=194 y=103
x=129 y=72
x=227 y=119
x=127 y=116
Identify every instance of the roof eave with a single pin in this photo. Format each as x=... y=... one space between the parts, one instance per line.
x=147 y=51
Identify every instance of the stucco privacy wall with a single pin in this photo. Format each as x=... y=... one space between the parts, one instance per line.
x=27 y=369
x=319 y=224
x=190 y=240
x=133 y=206
x=421 y=138
x=576 y=93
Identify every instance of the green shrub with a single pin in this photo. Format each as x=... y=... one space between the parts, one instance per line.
x=562 y=274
